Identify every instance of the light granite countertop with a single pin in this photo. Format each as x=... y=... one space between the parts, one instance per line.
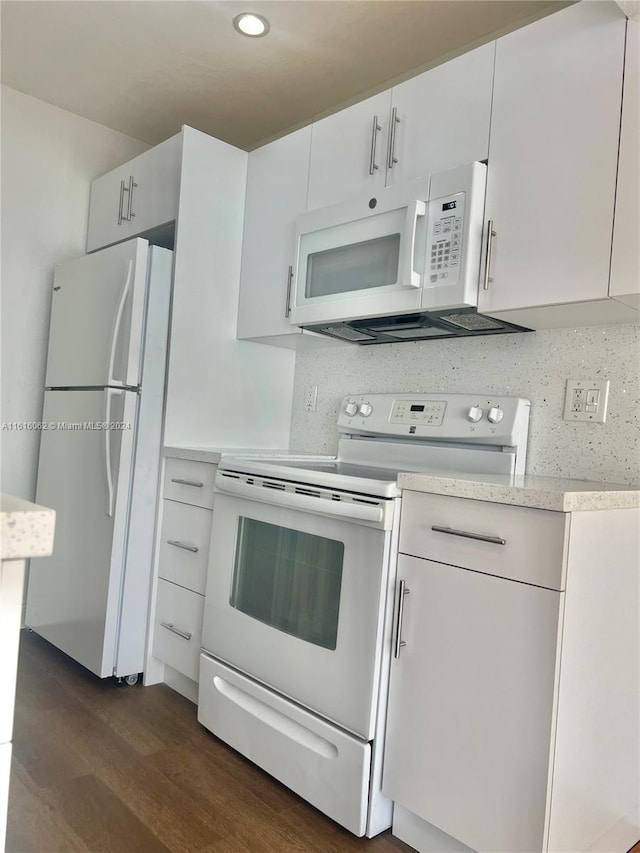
x=26 y=529
x=539 y=492
x=214 y=454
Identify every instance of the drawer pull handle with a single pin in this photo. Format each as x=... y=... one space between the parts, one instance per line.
x=187 y=482
x=496 y=540
x=171 y=627
x=177 y=544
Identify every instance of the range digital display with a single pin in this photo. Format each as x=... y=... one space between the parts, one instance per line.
x=415 y=408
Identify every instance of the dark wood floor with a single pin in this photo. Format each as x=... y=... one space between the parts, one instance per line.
x=106 y=769
x=109 y=769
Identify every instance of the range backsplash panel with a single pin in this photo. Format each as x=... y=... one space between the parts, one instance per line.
x=533 y=365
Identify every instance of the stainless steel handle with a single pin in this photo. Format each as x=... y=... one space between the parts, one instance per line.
x=374 y=137
x=132 y=184
x=177 y=544
x=392 y=138
x=402 y=591
x=487 y=261
x=287 y=305
x=187 y=482
x=171 y=627
x=122 y=192
x=495 y=540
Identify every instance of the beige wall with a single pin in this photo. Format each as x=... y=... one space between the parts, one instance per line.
x=49 y=157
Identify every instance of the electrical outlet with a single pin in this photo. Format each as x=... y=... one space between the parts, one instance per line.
x=586 y=400
x=310 y=398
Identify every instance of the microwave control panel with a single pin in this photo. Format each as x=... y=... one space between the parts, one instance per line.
x=444 y=239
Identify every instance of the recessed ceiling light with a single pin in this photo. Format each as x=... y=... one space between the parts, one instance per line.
x=251 y=25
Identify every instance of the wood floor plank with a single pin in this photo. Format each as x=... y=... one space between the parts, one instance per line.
x=149 y=794
x=34 y=827
x=101 y=819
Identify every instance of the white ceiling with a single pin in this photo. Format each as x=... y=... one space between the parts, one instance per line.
x=148 y=66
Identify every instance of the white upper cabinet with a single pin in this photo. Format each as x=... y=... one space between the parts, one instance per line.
x=349 y=151
x=277 y=179
x=137 y=197
x=551 y=179
x=444 y=117
x=435 y=121
x=625 y=259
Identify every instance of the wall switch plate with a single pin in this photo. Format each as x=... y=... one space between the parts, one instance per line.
x=586 y=400
x=310 y=398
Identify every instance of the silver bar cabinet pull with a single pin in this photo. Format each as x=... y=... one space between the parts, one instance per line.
x=171 y=627
x=287 y=305
x=395 y=120
x=122 y=192
x=177 y=544
x=495 y=540
x=132 y=184
x=403 y=590
x=187 y=482
x=487 y=261
x=374 y=136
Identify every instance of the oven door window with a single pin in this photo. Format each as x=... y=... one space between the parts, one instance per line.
x=289 y=580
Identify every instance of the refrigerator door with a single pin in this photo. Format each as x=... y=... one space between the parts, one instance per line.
x=73 y=597
x=97 y=318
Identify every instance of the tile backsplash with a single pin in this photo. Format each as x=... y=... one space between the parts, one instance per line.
x=533 y=365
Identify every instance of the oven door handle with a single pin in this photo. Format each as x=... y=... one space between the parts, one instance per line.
x=372 y=515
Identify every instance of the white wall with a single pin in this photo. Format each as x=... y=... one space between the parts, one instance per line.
x=49 y=158
x=533 y=365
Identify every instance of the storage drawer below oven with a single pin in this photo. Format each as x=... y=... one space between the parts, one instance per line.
x=324 y=765
x=178 y=628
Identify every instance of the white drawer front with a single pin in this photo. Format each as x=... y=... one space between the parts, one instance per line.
x=178 y=628
x=518 y=543
x=189 y=482
x=324 y=765
x=184 y=545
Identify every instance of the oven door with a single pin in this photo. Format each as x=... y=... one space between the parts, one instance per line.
x=296 y=593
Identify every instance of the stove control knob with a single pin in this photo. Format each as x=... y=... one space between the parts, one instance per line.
x=495 y=415
x=365 y=409
x=350 y=408
x=474 y=414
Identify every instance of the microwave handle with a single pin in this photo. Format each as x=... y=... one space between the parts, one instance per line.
x=408 y=277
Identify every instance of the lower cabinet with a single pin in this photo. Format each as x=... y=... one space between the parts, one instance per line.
x=183 y=561
x=178 y=628
x=513 y=707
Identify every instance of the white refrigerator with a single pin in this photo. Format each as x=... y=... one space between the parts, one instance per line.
x=100 y=455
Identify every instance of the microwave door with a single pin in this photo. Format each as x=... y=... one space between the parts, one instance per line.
x=354 y=262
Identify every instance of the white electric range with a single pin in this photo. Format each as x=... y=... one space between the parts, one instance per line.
x=300 y=600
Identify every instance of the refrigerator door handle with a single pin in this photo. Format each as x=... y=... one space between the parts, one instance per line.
x=110 y=392
x=115 y=334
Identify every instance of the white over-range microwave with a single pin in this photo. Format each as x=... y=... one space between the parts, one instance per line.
x=398 y=266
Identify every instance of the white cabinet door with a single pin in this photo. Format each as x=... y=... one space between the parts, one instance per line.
x=470 y=705
x=552 y=158
x=625 y=259
x=108 y=221
x=345 y=162
x=444 y=116
x=154 y=198
x=277 y=180
x=137 y=197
